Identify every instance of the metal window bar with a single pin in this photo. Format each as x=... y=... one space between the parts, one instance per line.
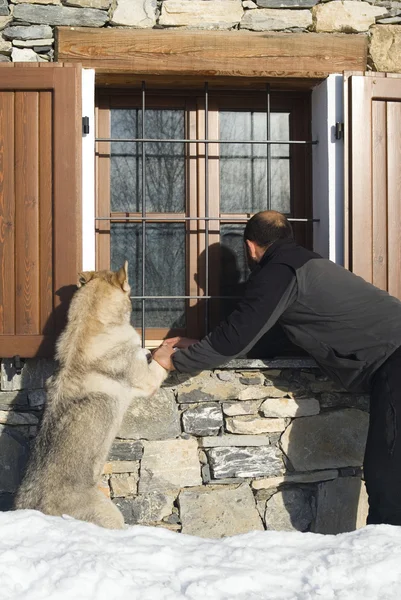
x=145 y=219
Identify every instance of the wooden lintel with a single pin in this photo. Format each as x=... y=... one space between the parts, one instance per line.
x=131 y=53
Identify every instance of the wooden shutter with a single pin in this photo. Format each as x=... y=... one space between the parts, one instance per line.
x=40 y=202
x=373 y=186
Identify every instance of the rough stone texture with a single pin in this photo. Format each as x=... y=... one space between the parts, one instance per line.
x=216 y=513
x=249 y=4
x=60 y=15
x=208 y=390
x=266 y=19
x=33 y=32
x=146 y=508
x=10 y=400
x=4 y=21
x=389 y=21
x=36 y=399
x=12 y=417
x=345 y=17
x=124 y=484
x=249 y=424
x=35 y=371
x=169 y=465
x=233 y=409
x=125 y=451
x=13 y=456
x=58 y=2
x=206 y=419
x=234 y=440
x=4 y=10
x=4 y=58
x=261 y=392
x=251 y=378
x=101 y=4
x=201 y=13
x=154 y=418
x=135 y=13
x=286 y=3
x=245 y=462
x=342 y=506
x=328 y=440
x=24 y=55
x=339 y=400
x=289 y=510
x=275 y=482
x=33 y=43
x=385 y=48
x=290 y=407
x=121 y=466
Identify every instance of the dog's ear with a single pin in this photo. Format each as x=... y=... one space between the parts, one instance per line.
x=84 y=278
x=122 y=277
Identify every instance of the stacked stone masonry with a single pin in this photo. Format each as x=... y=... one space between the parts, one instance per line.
x=27 y=26
x=251 y=447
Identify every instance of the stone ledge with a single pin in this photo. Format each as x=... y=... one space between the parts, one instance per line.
x=271 y=363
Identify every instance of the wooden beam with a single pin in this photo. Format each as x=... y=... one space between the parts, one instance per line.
x=212 y=54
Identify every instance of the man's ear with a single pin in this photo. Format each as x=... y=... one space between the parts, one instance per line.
x=84 y=277
x=122 y=277
x=251 y=246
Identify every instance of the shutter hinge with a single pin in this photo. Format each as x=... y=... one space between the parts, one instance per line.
x=85 y=125
x=18 y=364
x=339 y=131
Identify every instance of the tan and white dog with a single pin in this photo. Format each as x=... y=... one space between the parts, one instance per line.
x=102 y=369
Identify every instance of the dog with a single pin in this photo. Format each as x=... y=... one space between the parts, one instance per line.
x=102 y=369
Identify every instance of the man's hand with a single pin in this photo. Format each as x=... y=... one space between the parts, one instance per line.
x=179 y=342
x=163 y=355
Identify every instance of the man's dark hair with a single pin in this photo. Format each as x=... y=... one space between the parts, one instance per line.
x=266 y=227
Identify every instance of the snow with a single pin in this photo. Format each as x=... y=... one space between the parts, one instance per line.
x=54 y=558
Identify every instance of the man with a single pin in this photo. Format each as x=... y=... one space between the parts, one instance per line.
x=351 y=328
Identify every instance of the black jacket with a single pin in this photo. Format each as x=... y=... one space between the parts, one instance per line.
x=349 y=326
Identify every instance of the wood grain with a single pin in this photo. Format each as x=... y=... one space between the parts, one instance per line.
x=212 y=53
x=379 y=194
x=394 y=197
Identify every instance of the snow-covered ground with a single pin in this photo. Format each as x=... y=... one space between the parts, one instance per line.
x=55 y=558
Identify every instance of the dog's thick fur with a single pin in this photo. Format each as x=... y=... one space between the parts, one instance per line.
x=102 y=368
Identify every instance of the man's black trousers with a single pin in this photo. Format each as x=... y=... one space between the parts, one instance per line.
x=382 y=464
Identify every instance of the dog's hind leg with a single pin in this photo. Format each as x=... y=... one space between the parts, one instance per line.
x=100 y=510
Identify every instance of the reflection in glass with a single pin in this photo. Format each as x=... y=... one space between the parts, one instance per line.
x=165 y=269
x=243 y=167
x=233 y=265
x=165 y=161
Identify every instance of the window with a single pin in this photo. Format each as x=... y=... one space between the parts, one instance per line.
x=176 y=208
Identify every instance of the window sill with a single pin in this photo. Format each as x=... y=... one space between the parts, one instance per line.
x=272 y=363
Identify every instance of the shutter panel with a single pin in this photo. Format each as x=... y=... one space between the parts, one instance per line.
x=40 y=203
x=373 y=189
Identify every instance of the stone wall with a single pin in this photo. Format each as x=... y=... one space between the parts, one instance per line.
x=27 y=26
x=259 y=445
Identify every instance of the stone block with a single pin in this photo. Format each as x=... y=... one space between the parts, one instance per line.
x=4 y=10
x=343 y=400
x=100 y=4
x=225 y=375
x=33 y=43
x=286 y=3
x=35 y=371
x=121 y=466
x=289 y=510
x=60 y=15
x=10 y=400
x=125 y=451
x=203 y=420
x=385 y=48
x=290 y=407
x=251 y=378
x=208 y=390
x=291 y=478
x=345 y=17
x=270 y=19
x=146 y=508
x=5 y=46
x=4 y=58
x=14 y=450
x=24 y=55
x=155 y=418
x=250 y=424
x=33 y=32
x=234 y=409
x=342 y=505
x=55 y=2
x=245 y=462
x=36 y=399
x=124 y=484
x=264 y=391
x=249 y=4
x=227 y=441
x=4 y=21
x=216 y=513
x=329 y=440
x=12 y=417
x=135 y=13
x=201 y=13
x=169 y=465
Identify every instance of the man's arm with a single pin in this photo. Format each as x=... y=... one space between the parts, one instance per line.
x=267 y=296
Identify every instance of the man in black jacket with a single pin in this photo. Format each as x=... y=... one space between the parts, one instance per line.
x=351 y=328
